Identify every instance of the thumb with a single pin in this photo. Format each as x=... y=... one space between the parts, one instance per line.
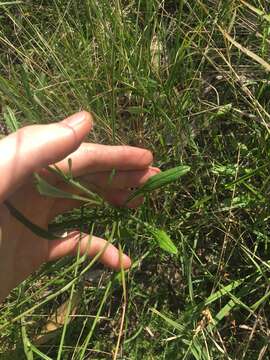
x=34 y=147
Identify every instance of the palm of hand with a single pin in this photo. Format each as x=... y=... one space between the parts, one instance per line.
x=22 y=252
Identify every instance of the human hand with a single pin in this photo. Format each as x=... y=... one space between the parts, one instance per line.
x=32 y=149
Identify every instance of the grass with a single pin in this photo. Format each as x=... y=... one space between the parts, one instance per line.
x=190 y=81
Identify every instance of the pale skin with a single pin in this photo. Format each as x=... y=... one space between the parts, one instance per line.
x=32 y=149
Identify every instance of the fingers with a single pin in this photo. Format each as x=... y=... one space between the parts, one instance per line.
x=91 y=158
x=114 y=190
x=90 y=245
x=34 y=147
x=121 y=179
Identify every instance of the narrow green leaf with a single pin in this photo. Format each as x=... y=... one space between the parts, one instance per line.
x=26 y=343
x=257 y=10
x=246 y=176
x=5 y=3
x=194 y=344
x=171 y=322
x=222 y=111
x=24 y=72
x=31 y=226
x=224 y=291
x=164 y=241
x=262 y=300
x=93 y=198
x=136 y=110
x=10 y=119
x=70 y=176
x=39 y=353
x=162 y=179
x=47 y=189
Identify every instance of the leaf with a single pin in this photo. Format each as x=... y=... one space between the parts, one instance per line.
x=222 y=111
x=56 y=321
x=10 y=3
x=26 y=344
x=157 y=52
x=262 y=300
x=39 y=353
x=45 y=234
x=224 y=291
x=160 y=180
x=247 y=176
x=93 y=198
x=164 y=241
x=194 y=344
x=47 y=189
x=226 y=170
x=10 y=119
x=171 y=322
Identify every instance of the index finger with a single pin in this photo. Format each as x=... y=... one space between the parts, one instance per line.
x=90 y=158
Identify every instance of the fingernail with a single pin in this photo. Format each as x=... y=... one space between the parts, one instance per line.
x=155 y=169
x=126 y=261
x=76 y=119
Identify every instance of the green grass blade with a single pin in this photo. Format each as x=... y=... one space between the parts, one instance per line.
x=96 y=319
x=39 y=353
x=257 y=11
x=262 y=300
x=224 y=291
x=10 y=3
x=171 y=322
x=10 y=119
x=26 y=343
x=246 y=176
